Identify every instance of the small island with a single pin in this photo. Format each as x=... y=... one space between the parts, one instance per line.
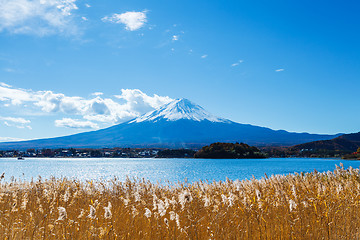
x=229 y=151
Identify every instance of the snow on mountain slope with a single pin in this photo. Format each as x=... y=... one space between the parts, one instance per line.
x=179 y=109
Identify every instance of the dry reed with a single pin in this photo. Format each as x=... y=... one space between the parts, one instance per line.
x=299 y=206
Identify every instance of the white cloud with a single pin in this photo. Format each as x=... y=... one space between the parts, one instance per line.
x=39 y=17
x=16 y=122
x=204 y=56
x=132 y=20
x=129 y=104
x=175 y=37
x=11 y=139
x=15 y=96
x=97 y=94
x=280 y=70
x=84 y=18
x=87 y=5
x=237 y=63
x=5 y=85
x=75 y=123
x=138 y=101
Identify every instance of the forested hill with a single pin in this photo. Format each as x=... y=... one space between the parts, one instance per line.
x=346 y=143
x=228 y=151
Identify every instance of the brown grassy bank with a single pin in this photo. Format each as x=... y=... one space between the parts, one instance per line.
x=308 y=206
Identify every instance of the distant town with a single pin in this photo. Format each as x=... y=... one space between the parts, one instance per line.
x=98 y=153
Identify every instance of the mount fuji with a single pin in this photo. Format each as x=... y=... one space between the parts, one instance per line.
x=180 y=123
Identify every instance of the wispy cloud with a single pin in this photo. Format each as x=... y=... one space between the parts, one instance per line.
x=38 y=17
x=280 y=70
x=5 y=85
x=237 y=63
x=132 y=20
x=97 y=94
x=16 y=122
x=75 y=123
x=204 y=56
x=11 y=139
x=175 y=37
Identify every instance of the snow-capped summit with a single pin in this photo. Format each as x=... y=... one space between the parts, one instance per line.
x=179 y=109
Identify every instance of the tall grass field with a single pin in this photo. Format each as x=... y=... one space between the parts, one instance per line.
x=298 y=206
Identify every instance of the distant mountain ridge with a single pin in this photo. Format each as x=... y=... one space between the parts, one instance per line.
x=346 y=142
x=178 y=124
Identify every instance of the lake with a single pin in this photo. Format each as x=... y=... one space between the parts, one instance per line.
x=163 y=169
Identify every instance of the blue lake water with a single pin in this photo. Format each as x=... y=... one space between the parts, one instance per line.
x=162 y=170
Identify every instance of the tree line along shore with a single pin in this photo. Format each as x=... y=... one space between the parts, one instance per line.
x=215 y=150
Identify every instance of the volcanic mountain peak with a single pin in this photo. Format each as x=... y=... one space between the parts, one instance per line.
x=177 y=110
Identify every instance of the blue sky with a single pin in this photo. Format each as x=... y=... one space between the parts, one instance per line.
x=68 y=66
